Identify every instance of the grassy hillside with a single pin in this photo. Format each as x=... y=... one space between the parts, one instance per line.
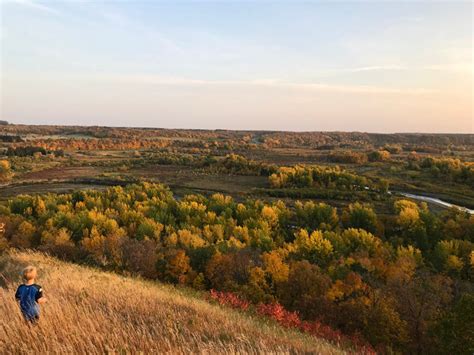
x=97 y=312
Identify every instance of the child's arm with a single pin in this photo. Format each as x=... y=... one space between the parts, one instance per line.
x=40 y=299
x=17 y=294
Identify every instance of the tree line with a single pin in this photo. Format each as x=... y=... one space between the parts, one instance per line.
x=301 y=176
x=451 y=168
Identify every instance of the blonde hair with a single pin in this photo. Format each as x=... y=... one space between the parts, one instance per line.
x=26 y=271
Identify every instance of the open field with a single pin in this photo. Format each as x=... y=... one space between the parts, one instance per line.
x=94 y=312
x=64 y=179
x=62 y=173
x=44 y=187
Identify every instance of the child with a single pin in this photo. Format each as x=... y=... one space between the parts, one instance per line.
x=30 y=295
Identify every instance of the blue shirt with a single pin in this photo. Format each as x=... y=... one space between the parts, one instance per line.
x=28 y=295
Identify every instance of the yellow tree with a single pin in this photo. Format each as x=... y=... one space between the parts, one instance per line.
x=177 y=266
x=275 y=267
x=23 y=237
x=5 y=171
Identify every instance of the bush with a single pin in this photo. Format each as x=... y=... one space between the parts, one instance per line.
x=379 y=155
x=347 y=157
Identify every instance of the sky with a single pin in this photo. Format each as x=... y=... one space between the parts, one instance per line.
x=379 y=66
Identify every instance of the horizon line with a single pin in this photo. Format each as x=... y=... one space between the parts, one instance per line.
x=237 y=130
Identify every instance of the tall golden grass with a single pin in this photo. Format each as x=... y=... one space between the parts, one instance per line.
x=90 y=311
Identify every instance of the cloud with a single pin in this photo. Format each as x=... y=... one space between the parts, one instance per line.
x=373 y=68
x=269 y=83
x=35 y=5
x=456 y=67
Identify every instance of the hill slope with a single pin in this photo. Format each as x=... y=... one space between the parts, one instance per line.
x=97 y=312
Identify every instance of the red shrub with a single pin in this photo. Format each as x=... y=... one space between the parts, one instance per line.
x=229 y=299
x=290 y=319
x=280 y=314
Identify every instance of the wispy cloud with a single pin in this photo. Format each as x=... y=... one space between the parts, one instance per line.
x=34 y=5
x=373 y=68
x=457 y=67
x=264 y=83
x=157 y=80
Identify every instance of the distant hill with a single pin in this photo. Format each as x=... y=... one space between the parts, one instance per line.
x=97 y=312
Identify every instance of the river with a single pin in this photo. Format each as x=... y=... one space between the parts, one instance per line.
x=436 y=201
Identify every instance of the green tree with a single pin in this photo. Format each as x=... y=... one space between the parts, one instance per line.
x=360 y=216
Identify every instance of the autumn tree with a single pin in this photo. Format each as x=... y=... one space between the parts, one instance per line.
x=378 y=155
x=5 y=171
x=24 y=237
x=360 y=216
x=174 y=266
x=419 y=302
x=316 y=215
x=305 y=290
x=454 y=333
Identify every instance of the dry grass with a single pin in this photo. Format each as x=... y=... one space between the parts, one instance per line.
x=96 y=312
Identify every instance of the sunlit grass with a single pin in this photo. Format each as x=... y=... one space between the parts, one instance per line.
x=90 y=311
